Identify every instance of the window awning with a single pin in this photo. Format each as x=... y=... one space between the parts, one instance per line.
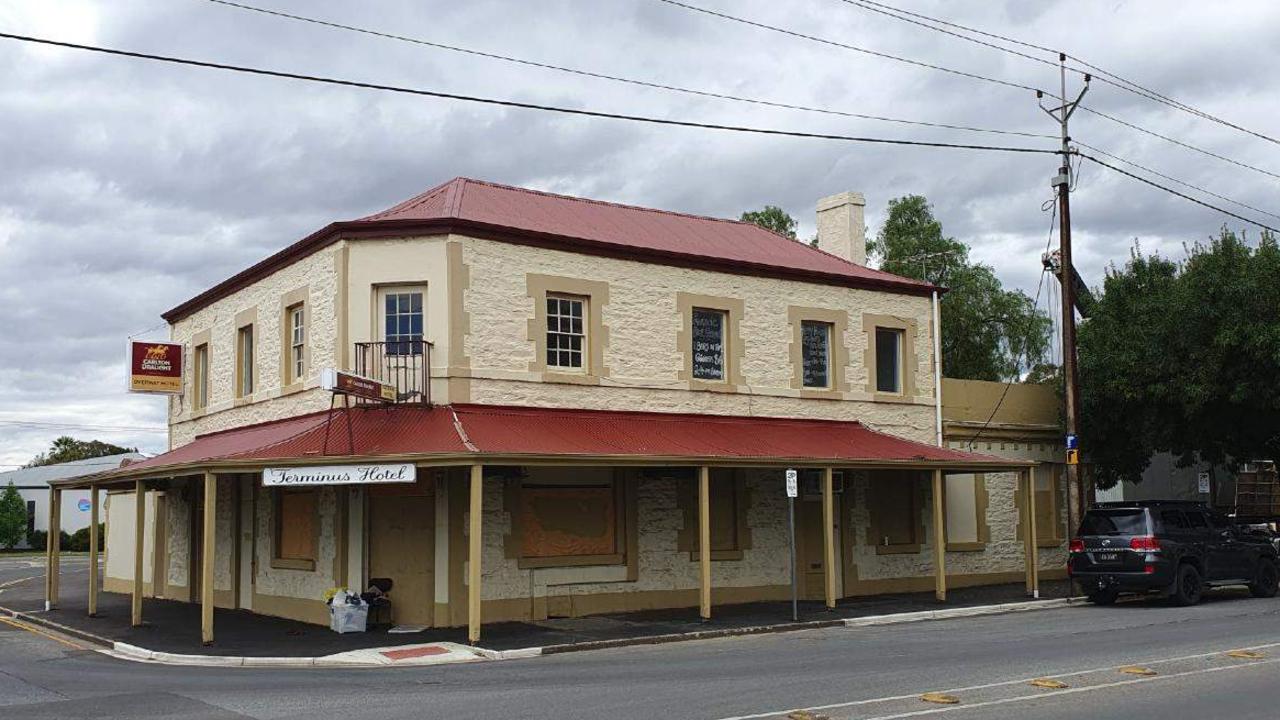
x=467 y=434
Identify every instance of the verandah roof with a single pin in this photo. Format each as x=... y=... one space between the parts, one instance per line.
x=510 y=435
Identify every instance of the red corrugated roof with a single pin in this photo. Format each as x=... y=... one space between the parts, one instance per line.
x=519 y=215
x=625 y=227
x=486 y=431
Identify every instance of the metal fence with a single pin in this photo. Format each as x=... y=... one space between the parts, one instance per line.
x=403 y=364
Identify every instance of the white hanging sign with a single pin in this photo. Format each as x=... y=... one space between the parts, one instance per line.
x=793 y=483
x=339 y=475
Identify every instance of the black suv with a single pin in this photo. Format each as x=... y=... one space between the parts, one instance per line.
x=1176 y=549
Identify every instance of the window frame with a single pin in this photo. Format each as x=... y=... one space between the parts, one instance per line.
x=584 y=336
x=875 y=499
x=246 y=361
x=724 y=344
x=980 y=505
x=908 y=359
x=733 y=343
x=513 y=501
x=596 y=348
x=898 y=336
x=296 y=348
x=828 y=355
x=277 y=509
x=200 y=377
x=415 y=341
x=687 y=501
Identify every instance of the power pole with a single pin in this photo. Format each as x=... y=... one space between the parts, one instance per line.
x=1062 y=183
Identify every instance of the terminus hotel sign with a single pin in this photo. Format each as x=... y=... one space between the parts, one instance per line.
x=339 y=475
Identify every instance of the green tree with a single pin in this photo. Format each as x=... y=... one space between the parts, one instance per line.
x=66 y=449
x=1184 y=358
x=13 y=517
x=772 y=218
x=988 y=333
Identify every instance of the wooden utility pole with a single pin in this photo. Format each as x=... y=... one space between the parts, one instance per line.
x=1066 y=277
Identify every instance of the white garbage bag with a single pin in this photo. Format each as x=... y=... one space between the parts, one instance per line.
x=345 y=618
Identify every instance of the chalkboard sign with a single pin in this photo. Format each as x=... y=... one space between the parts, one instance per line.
x=815 y=352
x=708 y=344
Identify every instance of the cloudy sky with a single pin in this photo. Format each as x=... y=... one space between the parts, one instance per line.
x=129 y=186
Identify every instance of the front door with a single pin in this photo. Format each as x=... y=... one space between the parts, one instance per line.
x=402 y=547
x=810 y=545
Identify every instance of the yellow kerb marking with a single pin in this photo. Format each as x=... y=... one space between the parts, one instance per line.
x=1136 y=670
x=940 y=698
x=1049 y=683
x=33 y=631
x=1246 y=654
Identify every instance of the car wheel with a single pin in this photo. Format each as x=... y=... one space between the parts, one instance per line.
x=1266 y=581
x=1187 y=586
x=1104 y=597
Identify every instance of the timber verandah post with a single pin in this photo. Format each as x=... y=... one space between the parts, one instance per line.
x=704 y=542
x=53 y=546
x=829 y=536
x=474 y=547
x=93 y=551
x=207 y=553
x=939 y=540
x=1031 y=550
x=139 y=521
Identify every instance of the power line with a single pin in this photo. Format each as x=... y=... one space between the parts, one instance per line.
x=74 y=426
x=854 y=48
x=1183 y=183
x=522 y=105
x=1175 y=141
x=612 y=78
x=1101 y=74
x=1182 y=195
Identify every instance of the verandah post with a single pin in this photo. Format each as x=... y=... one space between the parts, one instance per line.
x=939 y=540
x=704 y=541
x=207 y=554
x=93 y=551
x=474 y=547
x=53 y=561
x=829 y=536
x=139 y=522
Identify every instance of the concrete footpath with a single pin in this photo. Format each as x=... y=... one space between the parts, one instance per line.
x=440 y=653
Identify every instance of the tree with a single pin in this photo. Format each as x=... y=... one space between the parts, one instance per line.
x=66 y=449
x=1184 y=358
x=13 y=517
x=772 y=218
x=988 y=333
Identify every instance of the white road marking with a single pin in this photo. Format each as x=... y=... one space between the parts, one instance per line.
x=1020 y=681
x=1071 y=691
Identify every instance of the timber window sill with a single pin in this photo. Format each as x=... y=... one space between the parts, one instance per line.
x=571 y=561
x=966 y=546
x=293 y=564
x=695 y=556
x=898 y=549
x=292 y=388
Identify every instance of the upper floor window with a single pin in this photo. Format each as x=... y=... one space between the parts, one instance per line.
x=708 y=328
x=296 y=318
x=200 y=377
x=402 y=320
x=815 y=353
x=888 y=360
x=244 y=361
x=566 y=332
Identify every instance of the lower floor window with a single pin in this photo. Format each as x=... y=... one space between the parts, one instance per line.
x=295 y=532
x=895 y=510
x=568 y=518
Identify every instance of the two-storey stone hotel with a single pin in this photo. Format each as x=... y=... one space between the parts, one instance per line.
x=596 y=405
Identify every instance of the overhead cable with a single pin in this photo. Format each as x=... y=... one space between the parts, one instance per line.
x=517 y=104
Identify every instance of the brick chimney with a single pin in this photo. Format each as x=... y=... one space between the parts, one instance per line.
x=841 y=230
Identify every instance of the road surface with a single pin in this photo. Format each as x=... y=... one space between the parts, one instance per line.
x=865 y=673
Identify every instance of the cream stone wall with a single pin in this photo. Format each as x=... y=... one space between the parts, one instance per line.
x=319 y=273
x=288 y=583
x=120 y=520
x=178 y=524
x=643 y=355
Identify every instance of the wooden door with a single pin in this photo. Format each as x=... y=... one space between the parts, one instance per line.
x=810 y=545
x=402 y=547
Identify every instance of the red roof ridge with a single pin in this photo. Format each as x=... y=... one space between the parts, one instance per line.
x=419 y=199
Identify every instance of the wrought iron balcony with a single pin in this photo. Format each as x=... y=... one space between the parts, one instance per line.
x=403 y=364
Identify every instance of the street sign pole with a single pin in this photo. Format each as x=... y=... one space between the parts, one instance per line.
x=792 y=491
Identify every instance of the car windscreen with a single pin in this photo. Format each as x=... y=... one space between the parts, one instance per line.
x=1131 y=521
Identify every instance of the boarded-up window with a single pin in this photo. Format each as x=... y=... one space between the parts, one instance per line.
x=568 y=520
x=962 y=512
x=896 y=516
x=1046 y=503
x=724 y=513
x=296 y=525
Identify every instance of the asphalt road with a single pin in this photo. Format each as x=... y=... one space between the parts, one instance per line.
x=866 y=673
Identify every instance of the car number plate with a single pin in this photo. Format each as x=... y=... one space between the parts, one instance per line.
x=1108 y=557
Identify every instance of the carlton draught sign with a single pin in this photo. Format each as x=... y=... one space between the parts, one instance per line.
x=155 y=367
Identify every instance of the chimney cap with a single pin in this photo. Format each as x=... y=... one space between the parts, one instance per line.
x=845 y=198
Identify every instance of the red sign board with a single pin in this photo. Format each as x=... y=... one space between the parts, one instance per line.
x=155 y=367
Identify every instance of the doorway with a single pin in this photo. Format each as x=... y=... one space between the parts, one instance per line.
x=402 y=547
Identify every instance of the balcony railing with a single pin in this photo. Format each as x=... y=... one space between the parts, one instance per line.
x=403 y=364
